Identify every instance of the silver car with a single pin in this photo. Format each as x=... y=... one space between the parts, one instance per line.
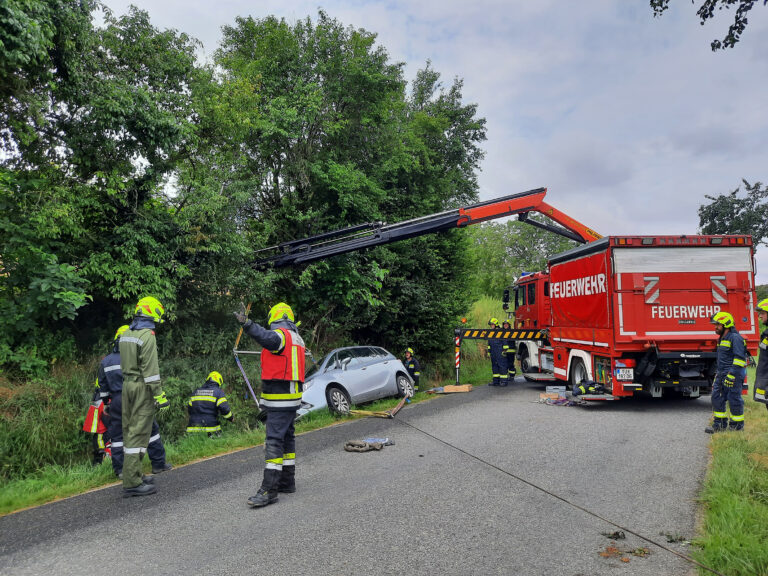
x=353 y=375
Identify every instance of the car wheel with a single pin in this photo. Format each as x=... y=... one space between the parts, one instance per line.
x=338 y=400
x=404 y=386
x=578 y=372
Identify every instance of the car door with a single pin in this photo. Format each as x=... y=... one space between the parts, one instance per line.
x=348 y=371
x=376 y=374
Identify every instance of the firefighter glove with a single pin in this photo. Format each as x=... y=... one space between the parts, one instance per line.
x=729 y=380
x=241 y=315
x=161 y=402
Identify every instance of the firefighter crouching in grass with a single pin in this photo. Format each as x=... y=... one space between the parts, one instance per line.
x=731 y=370
x=142 y=393
x=282 y=378
x=761 y=374
x=205 y=406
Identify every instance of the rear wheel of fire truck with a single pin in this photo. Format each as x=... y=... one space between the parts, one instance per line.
x=525 y=361
x=578 y=372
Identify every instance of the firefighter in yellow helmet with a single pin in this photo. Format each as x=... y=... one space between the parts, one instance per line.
x=142 y=392
x=495 y=349
x=282 y=379
x=413 y=367
x=206 y=405
x=731 y=370
x=761 y=374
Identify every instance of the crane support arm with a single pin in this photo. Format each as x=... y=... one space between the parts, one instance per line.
x=372 y=234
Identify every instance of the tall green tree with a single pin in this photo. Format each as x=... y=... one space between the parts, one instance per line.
x=706 y=11
x=93 y=122
x=501 y=252
x=737 y=213
x=319 y=134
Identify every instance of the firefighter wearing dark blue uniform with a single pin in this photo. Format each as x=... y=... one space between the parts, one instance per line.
x=413 y=367
x=731 y=370
x=111 y=392
x=508 y=351
x=760 y=391
x=282 y=378
x=206 y=405
x=495 y=348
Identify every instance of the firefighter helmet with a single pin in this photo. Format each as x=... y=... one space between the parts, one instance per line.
x=493 y=321
x=216 y=377
x=120 y=331
x=151 y=308
x=723 y=318
x=280 y=311
x=409 y=350
x=762 y=306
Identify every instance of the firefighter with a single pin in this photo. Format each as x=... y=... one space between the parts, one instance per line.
x=508 y=351
x=142 y=392
x=413 y=367
x=282 y=377
x=731 y=370
x=205 y=406
x=95 y=424
x=498 y=361
x=761 y=375
x=110 y=384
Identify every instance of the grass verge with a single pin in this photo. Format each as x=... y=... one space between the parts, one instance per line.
x=735 y=499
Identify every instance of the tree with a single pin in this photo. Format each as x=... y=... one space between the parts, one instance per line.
x=501 y=252
x=707 y=11
x=733 y=214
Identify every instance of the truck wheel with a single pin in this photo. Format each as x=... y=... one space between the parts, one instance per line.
x=578 y=372
x=525 y=362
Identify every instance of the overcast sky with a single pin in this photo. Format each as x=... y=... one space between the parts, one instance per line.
x=627 y=119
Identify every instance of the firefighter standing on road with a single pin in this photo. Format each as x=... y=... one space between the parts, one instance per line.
x=760 y=393
x=111 y=391
x=142 y=393
x=498 y=360
x=413 y=367
x=731 y=370
x=282 y=378
x=205 y=406
x=508 y=350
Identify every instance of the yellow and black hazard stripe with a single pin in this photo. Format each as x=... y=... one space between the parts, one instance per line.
x=485 y=334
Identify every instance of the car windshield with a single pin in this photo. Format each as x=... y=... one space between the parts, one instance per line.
x=315 y=367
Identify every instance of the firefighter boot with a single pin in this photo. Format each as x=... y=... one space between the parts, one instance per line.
x=287 y=483
x=142 y=489
x=719 y=425
x=267 y=494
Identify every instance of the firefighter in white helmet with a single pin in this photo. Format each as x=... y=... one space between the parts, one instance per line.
x=731 y=370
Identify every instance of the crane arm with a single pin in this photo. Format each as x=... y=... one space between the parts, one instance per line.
x=372 y=234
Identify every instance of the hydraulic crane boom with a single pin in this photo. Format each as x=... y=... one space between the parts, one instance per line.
x=377 y=233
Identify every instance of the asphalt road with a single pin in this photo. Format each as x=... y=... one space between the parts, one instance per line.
x=463 y=491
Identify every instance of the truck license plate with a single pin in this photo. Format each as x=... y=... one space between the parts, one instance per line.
x=625 y=374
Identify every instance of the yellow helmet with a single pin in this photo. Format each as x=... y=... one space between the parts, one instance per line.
x=493 y=321
x=762 y=306
x=280 y=311
x=216 y=377
x=120 y=330
x=723 y=318
x=410 y=351
x=151 y=308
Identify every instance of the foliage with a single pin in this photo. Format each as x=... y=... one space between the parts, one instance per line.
x=735 y=498
x=501 y=252
x=733 y=214
x=707 y=11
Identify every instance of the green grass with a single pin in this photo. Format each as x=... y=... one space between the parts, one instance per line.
x=734 y=537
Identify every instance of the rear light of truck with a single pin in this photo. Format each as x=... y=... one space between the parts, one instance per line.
x=626 y=363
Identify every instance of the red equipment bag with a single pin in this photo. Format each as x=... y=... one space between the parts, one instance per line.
x=93 y=423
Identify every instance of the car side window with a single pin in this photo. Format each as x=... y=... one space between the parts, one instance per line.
x=349 y=357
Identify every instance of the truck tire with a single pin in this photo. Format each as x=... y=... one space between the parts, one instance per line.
x=578 y=372
x=525 y=361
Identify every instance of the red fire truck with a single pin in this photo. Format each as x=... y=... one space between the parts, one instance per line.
x=633 y=312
